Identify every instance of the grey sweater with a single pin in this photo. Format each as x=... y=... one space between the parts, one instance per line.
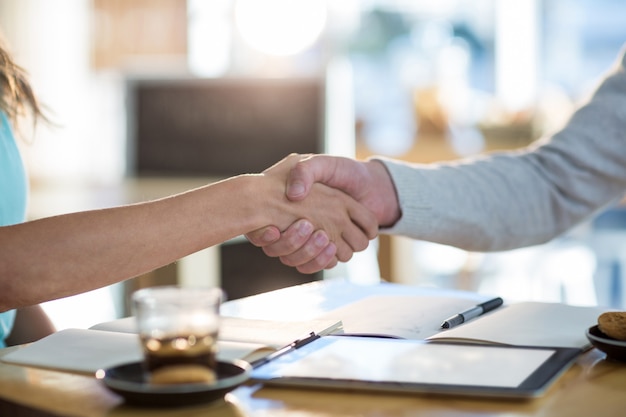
x=513 y=199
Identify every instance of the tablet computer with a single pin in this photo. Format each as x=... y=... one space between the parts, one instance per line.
x=412 y=366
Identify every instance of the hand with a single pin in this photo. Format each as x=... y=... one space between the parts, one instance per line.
x=367 y=182
x=301 y=246
x=337 y=226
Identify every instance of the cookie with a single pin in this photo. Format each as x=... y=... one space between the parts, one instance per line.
x=182 y=374
x=613 y=324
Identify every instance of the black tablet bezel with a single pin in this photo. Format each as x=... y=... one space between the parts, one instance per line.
x=533 y=386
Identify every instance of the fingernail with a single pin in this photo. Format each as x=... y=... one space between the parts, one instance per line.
x=268 y=236
x=320 y=239
x=295 y=189
x=330 y=250
x=304 y=228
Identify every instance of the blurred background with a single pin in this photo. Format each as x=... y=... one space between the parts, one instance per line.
x=150 y=97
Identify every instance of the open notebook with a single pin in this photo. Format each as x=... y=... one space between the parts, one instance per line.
x=114 y=343
x=420 y=317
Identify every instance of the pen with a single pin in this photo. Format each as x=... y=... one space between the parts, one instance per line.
x=291 y=346
x=469 y=314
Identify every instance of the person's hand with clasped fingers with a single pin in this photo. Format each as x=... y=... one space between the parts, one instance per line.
x=302 y=245
x=333 y=223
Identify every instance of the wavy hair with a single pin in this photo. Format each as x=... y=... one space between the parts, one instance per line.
x=17 y=97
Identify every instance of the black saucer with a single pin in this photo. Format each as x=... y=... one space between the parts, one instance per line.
x=614 y=349
x=129 y=381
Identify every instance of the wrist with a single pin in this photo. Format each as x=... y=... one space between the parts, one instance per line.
x=266 y=203
x=385 y=190
x=253 y=195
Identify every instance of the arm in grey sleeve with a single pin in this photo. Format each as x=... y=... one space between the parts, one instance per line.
x=513 y=199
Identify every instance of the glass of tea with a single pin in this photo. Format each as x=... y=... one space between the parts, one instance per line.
x=178 y=328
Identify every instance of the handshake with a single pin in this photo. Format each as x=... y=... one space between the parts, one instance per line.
x=366 y=197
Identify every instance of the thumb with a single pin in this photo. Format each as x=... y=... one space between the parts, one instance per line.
x=301 y=178
x=308 y=171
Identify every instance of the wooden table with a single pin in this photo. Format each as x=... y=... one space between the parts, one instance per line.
x=594 y=386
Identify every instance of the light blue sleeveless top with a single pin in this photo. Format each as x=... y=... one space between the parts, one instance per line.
x=13 y=198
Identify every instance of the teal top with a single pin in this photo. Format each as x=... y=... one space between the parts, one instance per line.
x=13 y=197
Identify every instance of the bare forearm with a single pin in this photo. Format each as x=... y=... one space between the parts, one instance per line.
x=68 y=254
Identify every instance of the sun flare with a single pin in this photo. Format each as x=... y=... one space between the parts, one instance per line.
x=280 y=27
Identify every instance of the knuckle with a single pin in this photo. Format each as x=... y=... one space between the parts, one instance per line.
x=344 y=254
x=333 y=263
x=271 y=251
x=316 y=264
x=359 y=246
x=290 y=245
x=307 y=269
x=292 y=240
x=372 y=231
x=286 y=260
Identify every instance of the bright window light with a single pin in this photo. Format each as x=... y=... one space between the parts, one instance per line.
x=280 y=27
x=516 y=52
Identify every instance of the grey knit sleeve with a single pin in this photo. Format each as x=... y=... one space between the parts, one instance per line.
x=513 y=199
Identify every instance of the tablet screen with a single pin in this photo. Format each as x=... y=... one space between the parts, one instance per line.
x=389 y=364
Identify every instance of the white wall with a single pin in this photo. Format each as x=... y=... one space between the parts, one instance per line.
x=50 y=39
